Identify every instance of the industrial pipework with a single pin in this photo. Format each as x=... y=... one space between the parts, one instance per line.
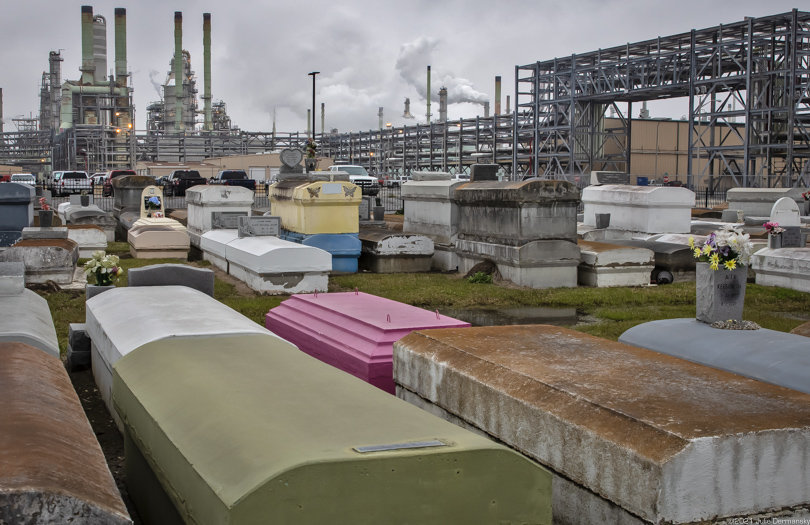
x=208 y=124
x=178 y=70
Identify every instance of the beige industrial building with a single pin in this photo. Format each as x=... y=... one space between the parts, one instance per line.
x=262 y=167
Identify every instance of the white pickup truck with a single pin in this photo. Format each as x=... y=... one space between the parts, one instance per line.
x=360 y=177
x=67 y=182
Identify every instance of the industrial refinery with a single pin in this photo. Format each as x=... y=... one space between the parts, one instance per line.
x=747 y=124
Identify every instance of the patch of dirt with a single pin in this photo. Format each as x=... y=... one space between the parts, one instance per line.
x=111 y=441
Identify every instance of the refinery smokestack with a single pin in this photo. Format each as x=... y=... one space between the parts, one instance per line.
x=1 y=110
x=428 y=94
x=508 y=111
x=88 y=63
x=407 y=113
x=100 y=47
x=208 y=124
x=178 y=70
x=323 y=117
x=498 y=95
x=443 y=104
x=486 y=109
x=121 y=73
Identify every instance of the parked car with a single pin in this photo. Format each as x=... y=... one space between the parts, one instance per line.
x=24 y=178
x=98 y=179
x=107 y=187
x=178 y=181
x=360 y=177
x=395 y=181
x=67 y=182
x=234 y=178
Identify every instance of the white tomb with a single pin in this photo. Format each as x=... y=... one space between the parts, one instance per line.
x=430 y=210
x=214 y=207
x=121 y=320
x=785 y=267
x=272 y=265
x=758 y=202
x=213 y=244
x=28 y=320
x=153 y=235
x=604 y=265
x=90 y=238
x=647 y=209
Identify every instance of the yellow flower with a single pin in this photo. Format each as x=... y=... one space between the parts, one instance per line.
x=713 y=265
x=714 y=259
x=730 y=265
x=691 y=242
x=707 y=249
x=698 y=252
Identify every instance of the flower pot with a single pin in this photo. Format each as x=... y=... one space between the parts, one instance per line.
x=85 y=200
x=720 y=293
x=379 y=213
x=45 y=218
x=92 y=290
x=774 y=240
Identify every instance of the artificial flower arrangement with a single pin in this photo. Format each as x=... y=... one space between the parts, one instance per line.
x=728 y=247
x=773 y=228
x=310 y=148
x=806 y=195
x=43 y=204
x=151 y=203
x=103 y=268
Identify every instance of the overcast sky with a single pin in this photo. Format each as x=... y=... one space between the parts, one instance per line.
x=369 y=53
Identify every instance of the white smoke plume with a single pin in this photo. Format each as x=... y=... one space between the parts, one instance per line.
x=414 y=57
x=153 y=73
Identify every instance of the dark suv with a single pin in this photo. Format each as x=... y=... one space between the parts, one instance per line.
x=178 y=181
x=106 y=187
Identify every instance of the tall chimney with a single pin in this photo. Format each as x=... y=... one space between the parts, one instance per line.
x=380 y=114
x=100 y=47
x=498 y=95
x=309 y=122
x=1 y=110
x=323 y=117
x=443 y=104
x=208 y=123
x=178 y=70
x=428 y=95
x=508 y=111
x=88 y=63
x=121 y=73
x=486 y=109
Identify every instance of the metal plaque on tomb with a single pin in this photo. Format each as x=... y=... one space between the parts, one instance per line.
x=226 y=220
x=792 y=237
x=609 y=177
x=260 y=226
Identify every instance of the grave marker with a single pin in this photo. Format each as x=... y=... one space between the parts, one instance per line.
x=151 y=202
x=365 y=208
x=226 y=220
x=792 y=237
x=261 y=226
x=785 y=212
x=609 y=177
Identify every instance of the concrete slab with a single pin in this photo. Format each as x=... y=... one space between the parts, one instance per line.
x=538 y=264
x=204 y=201
x=52 y=469
x=667 y=440
x=785 y=267
x=283 y=443
x=605 y=265
x=273 y=265
x=649 y=209
x=386 y=251
x=677 y=259
x=758 y=202
x=158 y=238
x=767 y=355
x=12 y=278
x=35 y=232
x=352 y=331
x=117 y=322
x=430 y=209
x=45 y=259
x=31 y=323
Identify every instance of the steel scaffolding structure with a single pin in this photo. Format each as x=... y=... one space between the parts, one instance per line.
x=762 y=64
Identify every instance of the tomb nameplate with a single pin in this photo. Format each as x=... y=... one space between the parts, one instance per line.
x=262 y=226
x=400 y=446
x=792 y=237
x=720 y=293
x=226 y=220
x=332 y=188
x=609 y=177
